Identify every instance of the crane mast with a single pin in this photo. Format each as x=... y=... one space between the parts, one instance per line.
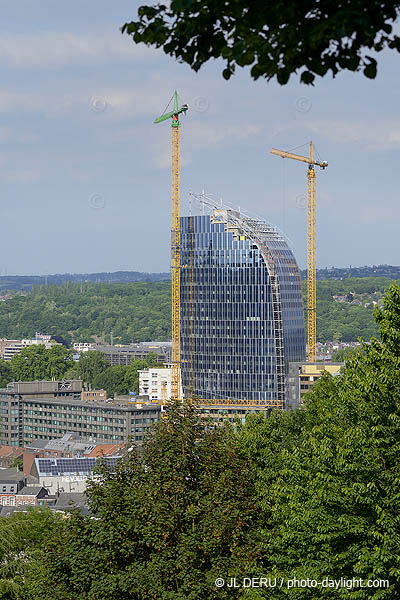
x=175 y=244
x=311 y=245
x=311 y=264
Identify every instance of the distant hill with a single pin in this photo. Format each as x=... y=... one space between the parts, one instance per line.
x=389 y=271
x=25 y=282
x=133 y=311
x=141 y=311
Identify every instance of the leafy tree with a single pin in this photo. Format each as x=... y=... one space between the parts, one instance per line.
x=275 y=39
x=91 y=364
x=333 y=509
x=18 y=463
x=21 y=537
x=167 y=522
x=121 y=379
x=5 y=373
x=112 y=380
x=343 y=354
x=37 y=362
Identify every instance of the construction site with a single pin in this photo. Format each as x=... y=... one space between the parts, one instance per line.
x=238 y=323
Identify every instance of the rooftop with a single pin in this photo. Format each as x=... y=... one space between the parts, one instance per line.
x=11 y=475
x=71 y=498
x=32 y=490
x=57 y=467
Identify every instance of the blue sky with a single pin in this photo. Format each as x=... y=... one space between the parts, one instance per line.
x=85 y=174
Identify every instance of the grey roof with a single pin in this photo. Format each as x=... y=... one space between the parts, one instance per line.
x=31 y=480
x=38 y=445
x=11 y=475
x=32 y=490
x=84 y=510
x=5 y=511
x=71 y=498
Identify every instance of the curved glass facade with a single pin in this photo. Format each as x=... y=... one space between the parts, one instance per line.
x=242 y=316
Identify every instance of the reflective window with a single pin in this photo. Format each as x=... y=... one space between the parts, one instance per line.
x=240 y=294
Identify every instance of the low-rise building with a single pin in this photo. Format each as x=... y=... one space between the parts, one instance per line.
x=5 y=343
x=8 y=454
x=84 y=346
x=12 y=481
x=94 y=395
x=124 y=355
x=69 y=474
x=32 y=496
x=10 y=347
x=301 y=378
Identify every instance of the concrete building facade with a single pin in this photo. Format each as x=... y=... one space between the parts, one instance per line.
x=28 y=413
x=124 y=355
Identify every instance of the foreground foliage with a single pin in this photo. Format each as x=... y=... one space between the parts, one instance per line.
x=274 y=39
x=167 y=523
x=310 y=494
x=21 y=549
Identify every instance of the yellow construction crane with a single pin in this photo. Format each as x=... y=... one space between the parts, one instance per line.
x=311 y=250
x=175 y=242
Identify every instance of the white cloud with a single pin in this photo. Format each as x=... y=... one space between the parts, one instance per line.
x=380 y=134
x=208 y=135
x=56 y=49
x=24 y=176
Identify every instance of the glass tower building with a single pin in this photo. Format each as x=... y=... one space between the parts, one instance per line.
x=242 y=318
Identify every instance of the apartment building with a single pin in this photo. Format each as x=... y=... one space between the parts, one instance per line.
x=156 y=383
x=28 y=413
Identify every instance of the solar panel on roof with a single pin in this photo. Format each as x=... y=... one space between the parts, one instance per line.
x=60 y=466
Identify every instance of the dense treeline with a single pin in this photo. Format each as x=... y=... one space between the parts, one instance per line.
x=342 y=321
x=38 y=363
x=26 y=282
x=366 y=271
x=309 y=500
x=142 y=311
x=80 y=312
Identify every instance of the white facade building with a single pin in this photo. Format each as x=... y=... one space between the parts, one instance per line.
x=84 y=346
x=9 y=349
x=152 y=381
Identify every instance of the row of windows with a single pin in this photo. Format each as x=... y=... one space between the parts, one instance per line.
x=78 y=426
x=104 y=436
x=84 y=409
x=71 y=417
